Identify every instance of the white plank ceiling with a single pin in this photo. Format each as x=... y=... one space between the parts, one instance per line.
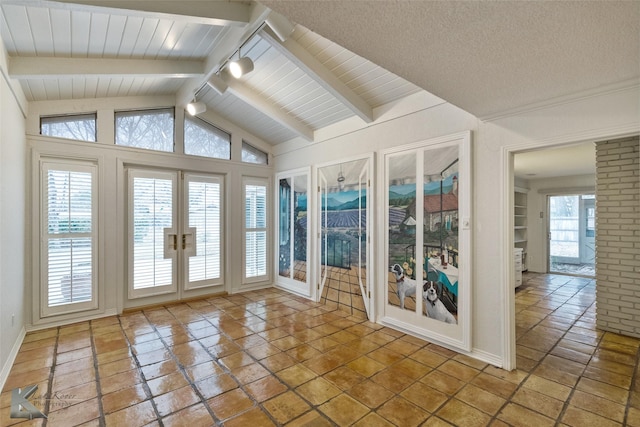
x=80 y=49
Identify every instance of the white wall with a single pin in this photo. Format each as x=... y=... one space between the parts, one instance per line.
x=539 y=189
x=589 y=118
x=12 y=219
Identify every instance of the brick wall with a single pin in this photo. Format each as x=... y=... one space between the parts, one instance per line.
x=618 y=236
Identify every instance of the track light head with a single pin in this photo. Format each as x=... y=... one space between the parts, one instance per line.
x=195 y=108
x=240 y=67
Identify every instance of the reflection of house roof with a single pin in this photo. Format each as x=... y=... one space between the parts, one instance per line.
x=449 y=203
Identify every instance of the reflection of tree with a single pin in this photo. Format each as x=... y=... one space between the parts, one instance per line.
x=82 y=128
x=152 y=130
x=203 y=139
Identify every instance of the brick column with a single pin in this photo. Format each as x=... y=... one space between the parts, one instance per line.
x=618 y=236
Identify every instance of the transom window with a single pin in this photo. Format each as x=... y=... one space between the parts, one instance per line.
x=81 y=127
x=148 y=129
x=251 y=154
x=204 y=139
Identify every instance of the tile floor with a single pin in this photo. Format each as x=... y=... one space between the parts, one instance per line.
x=268 y=358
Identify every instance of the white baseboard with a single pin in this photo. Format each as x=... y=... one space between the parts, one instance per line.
x=4 y=373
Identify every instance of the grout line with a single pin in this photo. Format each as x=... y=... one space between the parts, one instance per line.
x=102 y=418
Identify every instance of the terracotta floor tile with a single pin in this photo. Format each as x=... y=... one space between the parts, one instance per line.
x=344 y=378
x=193 y=416
x=278 y=362
x=249 y=373
x=311 y=418
x=547 y=387
x=580 y=418
x=633 y=417
x=123 y=398
x=459 y=413
x=480 y=399
x=286 y=407
x=75 y=415
x=166 y=383
x=373 y=420
x=175 y=400
x=538 y=402
x=445 y=383
x=519 y=416
x=269 y=358
x=495 y=385
x=318 y=391
x=265 y=388
x=604 y=390
x=254 y=417
x=296 y=375
x=215 y=385
x=343 y=410
x=229 y=404
x=599 y=405
x=401 y=412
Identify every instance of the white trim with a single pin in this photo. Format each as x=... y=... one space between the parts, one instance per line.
x=505 y=264
x=458 y=336
x=6 y=369
x=69 y=321
x=289 y=283
x=506 y=208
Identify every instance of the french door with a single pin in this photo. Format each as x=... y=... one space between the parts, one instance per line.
x=175 y=232
x=344 y=234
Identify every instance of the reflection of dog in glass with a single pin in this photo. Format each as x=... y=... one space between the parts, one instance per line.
x=405 y=286
x=435 y=308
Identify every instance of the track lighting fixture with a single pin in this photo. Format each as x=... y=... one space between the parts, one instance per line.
x=195 y=108
x=240 y=67
x=217 y=83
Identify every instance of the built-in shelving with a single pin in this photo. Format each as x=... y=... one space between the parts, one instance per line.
x=520 y=222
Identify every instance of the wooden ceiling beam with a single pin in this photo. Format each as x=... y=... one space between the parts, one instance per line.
x=21 y=67
x=321 y=74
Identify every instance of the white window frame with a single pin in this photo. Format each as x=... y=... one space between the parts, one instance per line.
x=263 y=182
x=69 y=118
x=71 y=166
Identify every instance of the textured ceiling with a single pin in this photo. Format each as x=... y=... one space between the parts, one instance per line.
x=485 y=57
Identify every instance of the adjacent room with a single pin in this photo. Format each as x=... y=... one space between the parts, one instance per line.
x=319 y=213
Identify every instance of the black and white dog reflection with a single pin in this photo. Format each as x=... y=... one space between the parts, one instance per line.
x=405 y=286
x=434 y=307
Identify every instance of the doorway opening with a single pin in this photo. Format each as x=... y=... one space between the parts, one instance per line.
x=571 y=225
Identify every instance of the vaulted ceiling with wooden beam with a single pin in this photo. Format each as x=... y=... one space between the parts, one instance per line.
x=301 y=82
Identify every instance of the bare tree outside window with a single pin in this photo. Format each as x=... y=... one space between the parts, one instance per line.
x=206 y=140
x=81 y=127
x=151 y=129
x=251 y=154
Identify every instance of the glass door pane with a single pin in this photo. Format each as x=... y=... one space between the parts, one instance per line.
x=202 y=234
x=402 y=223
x=153 y=237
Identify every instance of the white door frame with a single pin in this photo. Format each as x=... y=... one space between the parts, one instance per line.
x=505 y=250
